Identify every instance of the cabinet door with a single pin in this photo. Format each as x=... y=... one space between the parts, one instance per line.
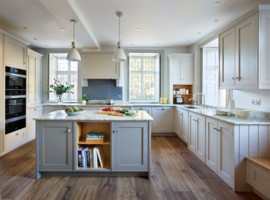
x=163 y=119
x=185 y=134
x=200 y=138
x=181 y=124
x=181 y=67
x=192 y=132
x=227 y=59
x=212 y=144
x=246 y=54
x=55 y=142
x=14 y=139
x=31 y=79
x=14 y=53
x=264 y=58
x=130 y=146
x=32 y=112
x=178 y=122
x=99 y=67
x=225 y=152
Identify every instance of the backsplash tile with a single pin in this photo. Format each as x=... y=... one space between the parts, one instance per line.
x=102 y=90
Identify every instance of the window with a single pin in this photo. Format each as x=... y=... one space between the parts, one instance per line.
x=64 y=71
x=144 y=77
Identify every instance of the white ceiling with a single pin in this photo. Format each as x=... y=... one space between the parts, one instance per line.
x=162 y=22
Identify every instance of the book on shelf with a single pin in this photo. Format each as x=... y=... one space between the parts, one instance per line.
x=80 y=157
x=100 y=156
x=98 y=137
x=90 y=157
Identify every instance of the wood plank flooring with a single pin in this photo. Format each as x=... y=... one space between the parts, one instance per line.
x=176 y=174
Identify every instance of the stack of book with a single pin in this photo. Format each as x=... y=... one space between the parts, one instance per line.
x=95 y=138
x=90 y=157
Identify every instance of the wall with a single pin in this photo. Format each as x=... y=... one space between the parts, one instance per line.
x=165 y=51
x=243 y=99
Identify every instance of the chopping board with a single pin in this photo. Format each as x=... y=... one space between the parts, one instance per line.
x=114 y=113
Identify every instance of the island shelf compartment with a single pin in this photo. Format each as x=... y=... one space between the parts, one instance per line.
x=82 y=129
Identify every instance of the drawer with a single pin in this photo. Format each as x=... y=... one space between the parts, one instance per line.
x=259 y=178
x=14 y=139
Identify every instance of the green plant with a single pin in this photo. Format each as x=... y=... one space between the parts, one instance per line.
x=60 y=88
x=85 y=98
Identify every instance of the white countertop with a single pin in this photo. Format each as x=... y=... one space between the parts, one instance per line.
x=60 y=115
x=104 y=105
x=210 y=112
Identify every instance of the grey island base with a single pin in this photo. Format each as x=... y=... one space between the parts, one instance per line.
x=126 y=149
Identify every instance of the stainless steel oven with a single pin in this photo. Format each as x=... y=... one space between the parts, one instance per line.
x=15 y=99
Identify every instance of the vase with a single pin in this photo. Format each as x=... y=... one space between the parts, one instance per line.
x=59 y=98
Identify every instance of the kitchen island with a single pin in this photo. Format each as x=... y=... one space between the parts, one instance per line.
x=126 y=149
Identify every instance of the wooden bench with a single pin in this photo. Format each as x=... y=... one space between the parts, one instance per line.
x=258 y=175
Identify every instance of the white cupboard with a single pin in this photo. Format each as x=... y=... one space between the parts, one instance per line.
x=100 y=66
x=15 y=53
x=163 y=120
x=181 y=123
x=243 y=54
x=34 y=69
x=196 y=141
x=32 y=112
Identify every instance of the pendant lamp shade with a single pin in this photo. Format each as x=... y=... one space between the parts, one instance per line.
x=119 y=54
x=74 y=54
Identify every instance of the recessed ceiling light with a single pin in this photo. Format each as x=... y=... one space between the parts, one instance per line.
x=62 y=29
x=35 y=38
x=216 y=3
x=139 y=29
x=199 y=33
x=216 y=20
x=25 y=28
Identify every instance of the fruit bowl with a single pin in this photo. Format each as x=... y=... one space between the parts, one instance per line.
x=75 y=113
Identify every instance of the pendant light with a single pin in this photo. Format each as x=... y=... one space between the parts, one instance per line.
x=119 y=55
x=73 y=55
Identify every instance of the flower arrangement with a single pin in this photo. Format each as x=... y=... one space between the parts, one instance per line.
x=60 y=88
x=85 y=99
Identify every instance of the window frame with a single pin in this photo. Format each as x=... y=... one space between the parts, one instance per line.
x=160 y=54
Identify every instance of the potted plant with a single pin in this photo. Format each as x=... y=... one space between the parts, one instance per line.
x=84 y=99
x=60 y=88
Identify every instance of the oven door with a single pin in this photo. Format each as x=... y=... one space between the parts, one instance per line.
x=15 y=124
x=15 y=106
x=15 y=81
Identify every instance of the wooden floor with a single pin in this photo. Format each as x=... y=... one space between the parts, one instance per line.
x=177 y=174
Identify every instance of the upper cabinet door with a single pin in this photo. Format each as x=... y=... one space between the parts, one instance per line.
x=264 y=51
x=227 y=58
x=246 y=53
x=181 y=68
x=99 y=66
x=15 y=53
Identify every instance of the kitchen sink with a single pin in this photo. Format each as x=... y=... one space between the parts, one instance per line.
x=193 y=107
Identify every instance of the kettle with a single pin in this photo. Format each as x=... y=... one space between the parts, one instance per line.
x=109 y=102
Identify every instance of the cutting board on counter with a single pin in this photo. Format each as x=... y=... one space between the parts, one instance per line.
x=114 y=113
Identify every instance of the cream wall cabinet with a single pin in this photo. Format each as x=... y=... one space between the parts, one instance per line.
x=196 y=141
x=243 y=54
x=34 y=69
x=15 y=53
x=181 y=123
x=99 y=66
x=163 y=120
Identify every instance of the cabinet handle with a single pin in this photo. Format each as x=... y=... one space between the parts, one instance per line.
x=17 y=134
x=194 y=120
x=233 y=78
x=115 y=131
x=216 y=129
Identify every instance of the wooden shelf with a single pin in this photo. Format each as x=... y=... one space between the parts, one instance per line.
x=185 y=97
x=93 y=143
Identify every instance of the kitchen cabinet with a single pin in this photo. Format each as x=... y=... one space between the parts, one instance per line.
x=100 y=66
x=34 y=69
x=163 y=120
x=14 y=139
x=32 y=112
x=145 y=108
x=130 y=146
x=220 y=149
x=55 y=146
x=181 y=68
x=181 y=123
x=197 y=135
x=15 y=53
x=2 y=95
x=243 y=54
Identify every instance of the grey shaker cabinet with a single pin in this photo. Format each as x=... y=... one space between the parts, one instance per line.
x=55 y=146
x=130 y=146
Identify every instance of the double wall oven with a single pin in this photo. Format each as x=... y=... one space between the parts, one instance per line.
x=15 y=101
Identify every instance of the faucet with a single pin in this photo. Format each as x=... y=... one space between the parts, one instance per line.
x=203 y=98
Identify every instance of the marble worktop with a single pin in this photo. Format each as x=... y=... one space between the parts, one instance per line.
x=60 y=115
x=243 y=117
x=101 y=104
